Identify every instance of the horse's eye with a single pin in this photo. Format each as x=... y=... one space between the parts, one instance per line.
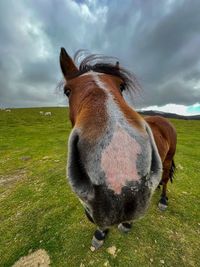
x=67 y=91
x=122 y=87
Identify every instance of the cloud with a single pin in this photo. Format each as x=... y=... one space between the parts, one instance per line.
x=178 y=109
x=158 y=40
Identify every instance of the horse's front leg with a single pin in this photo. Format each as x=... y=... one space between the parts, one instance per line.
x=167 y=165
x=99 y=237
x=163 y=203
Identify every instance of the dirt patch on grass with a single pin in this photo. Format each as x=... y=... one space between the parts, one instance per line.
x=25 y=158
x=7 y=180
x=35 y=259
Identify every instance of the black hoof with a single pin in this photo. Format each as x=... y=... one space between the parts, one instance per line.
x=98 y=238
x=163 y=204
x=124 y=227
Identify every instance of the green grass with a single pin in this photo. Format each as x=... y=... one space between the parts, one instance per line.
x=39 y=210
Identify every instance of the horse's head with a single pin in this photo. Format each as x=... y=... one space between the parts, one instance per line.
x=89 y=88
x=110 y=144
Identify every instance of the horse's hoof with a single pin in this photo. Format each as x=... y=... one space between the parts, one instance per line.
x=163 y=203
x=97 y=243
x=98 y=238
x=124 y=227
x=162 y=206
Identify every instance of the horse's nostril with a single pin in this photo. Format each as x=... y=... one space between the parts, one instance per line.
x=77 y=174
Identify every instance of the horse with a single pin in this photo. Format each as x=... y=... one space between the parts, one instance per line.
x=116 y=158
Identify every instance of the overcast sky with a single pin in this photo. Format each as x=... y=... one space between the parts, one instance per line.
x=158 y=40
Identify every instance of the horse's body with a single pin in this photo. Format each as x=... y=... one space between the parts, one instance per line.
x=165 y=138
x=114 y=164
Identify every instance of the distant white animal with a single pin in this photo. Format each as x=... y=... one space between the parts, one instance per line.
x=41 y=112
x=47 y=113
x=8 y=110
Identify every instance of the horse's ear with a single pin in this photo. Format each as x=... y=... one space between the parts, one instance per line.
x=67 y=65
x=117 y=65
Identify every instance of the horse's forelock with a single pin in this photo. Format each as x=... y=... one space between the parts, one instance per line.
x=107 y=65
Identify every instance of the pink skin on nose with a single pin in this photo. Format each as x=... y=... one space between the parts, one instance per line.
x=119 y=160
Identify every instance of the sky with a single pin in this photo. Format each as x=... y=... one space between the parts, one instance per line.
x=159 y=41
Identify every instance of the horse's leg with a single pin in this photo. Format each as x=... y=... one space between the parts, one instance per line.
x=163 y=203
x=158 y=187
x=99 y=237
x=124 y=227
x=89 y=216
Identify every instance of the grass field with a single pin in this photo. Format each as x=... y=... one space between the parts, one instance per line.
x=39 y=210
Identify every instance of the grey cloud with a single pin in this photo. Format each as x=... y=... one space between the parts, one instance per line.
x=178 y=90
x=39 y=72
x=193 y=75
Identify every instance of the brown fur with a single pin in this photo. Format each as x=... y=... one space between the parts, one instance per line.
x=83 y=91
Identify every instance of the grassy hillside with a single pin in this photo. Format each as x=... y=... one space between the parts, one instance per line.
x=39 y=210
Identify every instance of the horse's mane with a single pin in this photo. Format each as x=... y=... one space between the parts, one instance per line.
x=107 y=65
